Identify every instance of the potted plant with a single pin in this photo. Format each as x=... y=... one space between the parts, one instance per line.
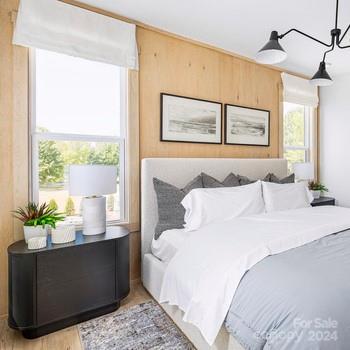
x=37 y=218
x=317 y=188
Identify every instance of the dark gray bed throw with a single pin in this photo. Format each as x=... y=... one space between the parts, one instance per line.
x=296 y=300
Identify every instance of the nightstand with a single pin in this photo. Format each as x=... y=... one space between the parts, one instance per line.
x=323 y=201
x=64 y=284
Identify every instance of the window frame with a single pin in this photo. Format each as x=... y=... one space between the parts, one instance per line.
x=308 y=136
x=35 y=137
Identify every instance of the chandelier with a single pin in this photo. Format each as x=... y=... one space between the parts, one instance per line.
x=273 y=52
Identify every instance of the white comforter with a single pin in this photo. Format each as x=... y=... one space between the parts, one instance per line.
x=203 y=276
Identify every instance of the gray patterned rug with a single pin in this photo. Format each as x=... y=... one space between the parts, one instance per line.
x=143 y=326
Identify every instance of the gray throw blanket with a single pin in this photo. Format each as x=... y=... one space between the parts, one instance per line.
x=296 y=300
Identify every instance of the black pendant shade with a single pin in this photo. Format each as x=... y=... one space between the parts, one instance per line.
x=321 y=78
x=272 y=52
x=273 y=43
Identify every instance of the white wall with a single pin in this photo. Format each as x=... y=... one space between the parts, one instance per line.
x=335 y=139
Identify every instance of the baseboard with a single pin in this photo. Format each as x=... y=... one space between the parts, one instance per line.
x=134 y=282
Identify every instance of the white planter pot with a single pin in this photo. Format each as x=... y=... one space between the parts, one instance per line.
x=34 y=231
x=63 y=234
x=316 y=194
x=37 y=242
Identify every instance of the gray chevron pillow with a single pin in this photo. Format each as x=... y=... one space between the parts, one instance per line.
x=171 y=213
x=273 y=178
x=231 y=180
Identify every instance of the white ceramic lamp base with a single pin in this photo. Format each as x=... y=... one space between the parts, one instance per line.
x=94 y=215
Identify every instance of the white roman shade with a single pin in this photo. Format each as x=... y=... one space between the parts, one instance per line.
x=298 y=90
x=56 y=26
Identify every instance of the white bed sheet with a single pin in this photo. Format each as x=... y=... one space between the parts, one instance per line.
x=170 y=241
x=152 y=276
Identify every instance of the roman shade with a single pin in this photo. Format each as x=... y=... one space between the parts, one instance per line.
x=298 y=90
x=60 y=27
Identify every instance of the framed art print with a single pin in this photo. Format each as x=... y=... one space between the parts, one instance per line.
x=246 y=126
x=185 y=119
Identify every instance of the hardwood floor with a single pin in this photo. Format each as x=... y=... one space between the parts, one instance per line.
x=66 y=339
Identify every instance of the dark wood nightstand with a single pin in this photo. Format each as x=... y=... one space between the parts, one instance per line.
x=323 y=201
x=64 y=284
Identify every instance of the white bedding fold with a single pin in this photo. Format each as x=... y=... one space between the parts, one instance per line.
x=203 y=276
x=167 y=245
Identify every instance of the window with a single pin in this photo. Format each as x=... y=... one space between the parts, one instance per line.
x=297 y=133
x=77 y=117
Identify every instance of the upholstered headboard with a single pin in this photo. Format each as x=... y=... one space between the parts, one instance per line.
x=179 y=171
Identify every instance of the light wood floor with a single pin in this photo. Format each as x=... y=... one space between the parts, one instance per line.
x=66 y=339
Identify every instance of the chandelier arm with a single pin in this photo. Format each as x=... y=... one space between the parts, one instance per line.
x=343 y=36
x=336 y=14
x=330 y=50
x=307 y=35
x=344 y=47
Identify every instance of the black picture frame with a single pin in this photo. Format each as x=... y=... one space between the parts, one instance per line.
x=227 y=142
x=163 y=138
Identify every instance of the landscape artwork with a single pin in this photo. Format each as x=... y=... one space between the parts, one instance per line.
x=185 y=119
x=246 y=126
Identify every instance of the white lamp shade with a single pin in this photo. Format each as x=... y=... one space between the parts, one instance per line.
x=270 y=56
x=321 y=82
x=304 y=171
x=92 y=180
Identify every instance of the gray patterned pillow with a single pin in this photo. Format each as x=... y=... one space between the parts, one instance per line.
x=171 y=213
x=231 y=180
x=244 y=180
x=270 y=177
x=273 y=178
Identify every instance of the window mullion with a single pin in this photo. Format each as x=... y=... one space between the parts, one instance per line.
x=296 y=148
x=75 y=137
x=122 y=181
x=35 y=169
x=308 y=133
x=34 y=154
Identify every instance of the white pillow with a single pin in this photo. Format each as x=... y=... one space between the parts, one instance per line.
x=286 y=196
x=208 y=205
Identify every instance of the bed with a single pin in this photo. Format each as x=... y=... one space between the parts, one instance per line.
x=322 y=239
x=179 y=171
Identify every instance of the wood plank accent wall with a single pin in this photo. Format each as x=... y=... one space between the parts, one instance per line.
x=13 y=137
x=6 y=178
x=176 y=66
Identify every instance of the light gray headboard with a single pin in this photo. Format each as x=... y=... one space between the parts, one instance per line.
x=179 y=171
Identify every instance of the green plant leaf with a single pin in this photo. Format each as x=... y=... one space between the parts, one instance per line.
x=33 y=215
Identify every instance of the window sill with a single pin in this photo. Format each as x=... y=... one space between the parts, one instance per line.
x=132 y=227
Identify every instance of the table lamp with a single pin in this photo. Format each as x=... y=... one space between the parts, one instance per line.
x=304 y=171
x=92 y=182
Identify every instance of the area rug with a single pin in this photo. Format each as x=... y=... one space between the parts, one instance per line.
x=143 y=326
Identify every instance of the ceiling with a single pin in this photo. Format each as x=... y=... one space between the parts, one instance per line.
x=243 y=27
